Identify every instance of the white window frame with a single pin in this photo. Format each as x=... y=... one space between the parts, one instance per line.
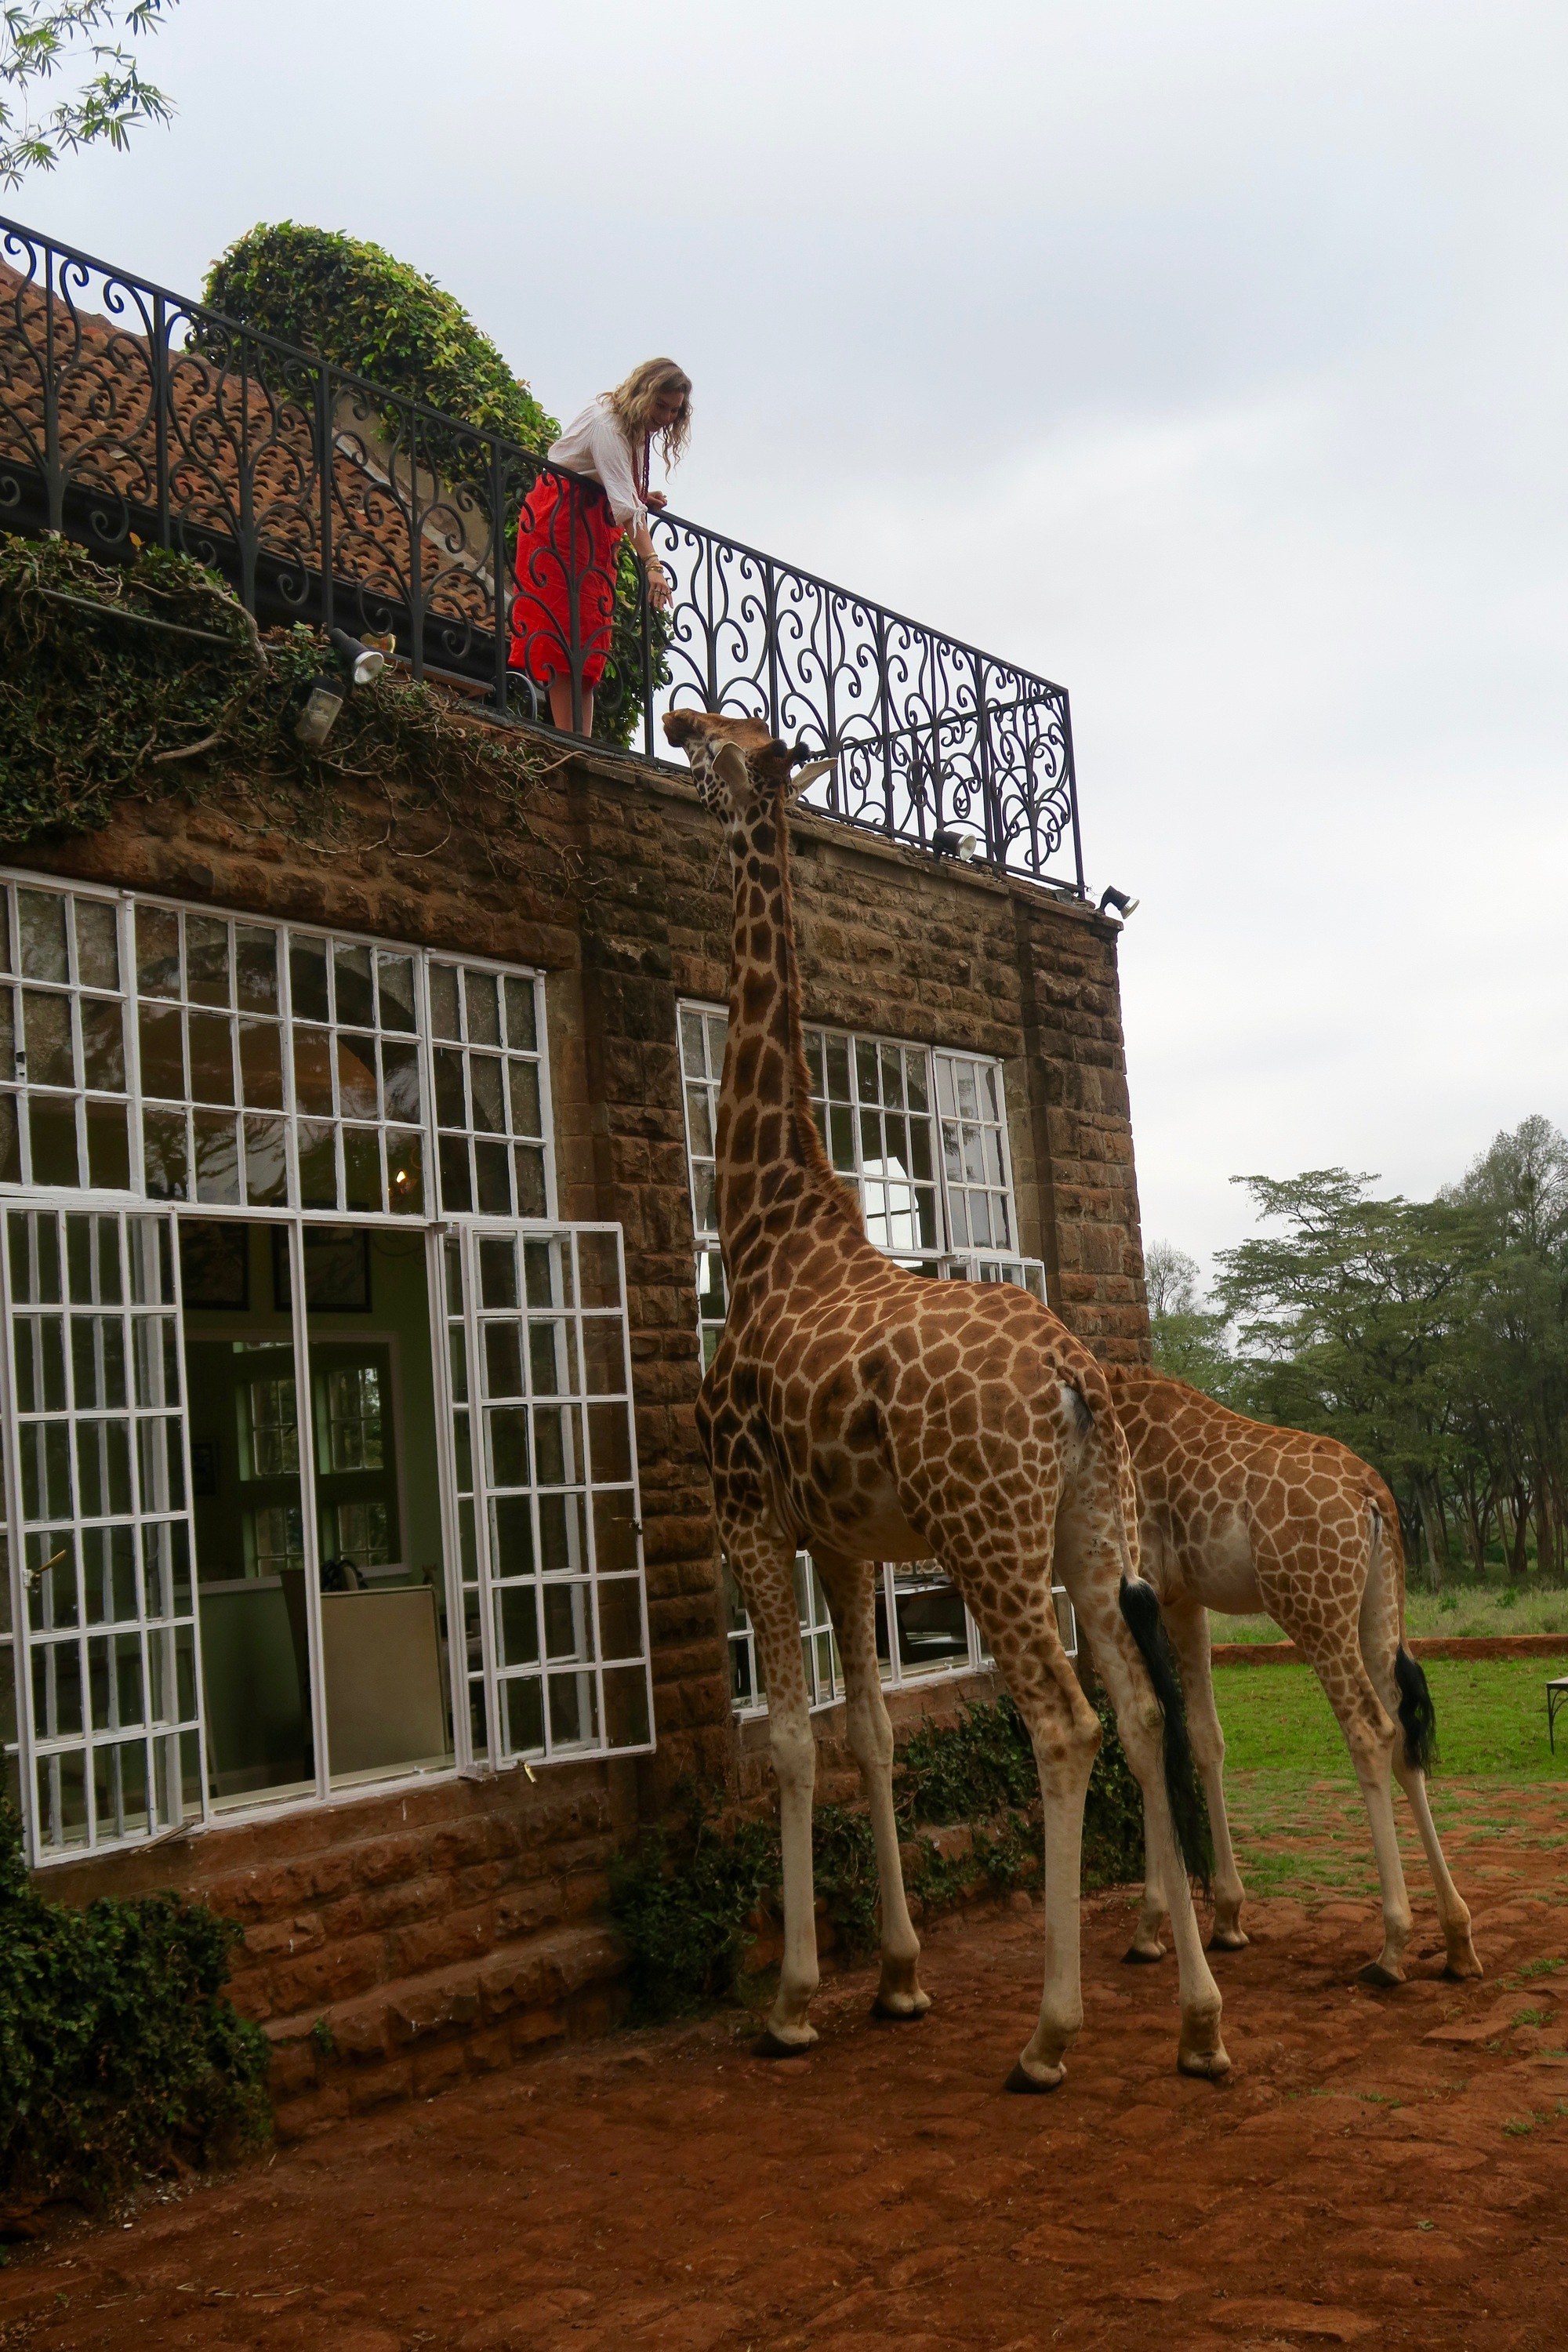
x=702 y=1024
x=128 y=1201
x=292 y=1029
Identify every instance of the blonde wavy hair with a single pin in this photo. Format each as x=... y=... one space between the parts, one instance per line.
x=633 y=404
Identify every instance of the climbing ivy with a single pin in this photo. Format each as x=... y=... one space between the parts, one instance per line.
x=96 y=706
x=120 y=2057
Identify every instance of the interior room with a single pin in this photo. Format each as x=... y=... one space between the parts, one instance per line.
x=371 y=1641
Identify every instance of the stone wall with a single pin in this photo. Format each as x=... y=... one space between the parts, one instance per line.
x=615 y=891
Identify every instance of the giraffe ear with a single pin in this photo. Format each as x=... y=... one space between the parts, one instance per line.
x=730 y=767
x=808 y=775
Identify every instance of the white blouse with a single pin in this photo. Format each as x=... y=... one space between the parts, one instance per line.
x=594 y=445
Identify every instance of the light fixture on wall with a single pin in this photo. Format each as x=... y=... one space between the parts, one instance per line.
x=965 y=846
x=323 y=703
x=362 y=664
x=1120 y=901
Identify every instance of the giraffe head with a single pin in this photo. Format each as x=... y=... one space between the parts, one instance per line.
x=737 y=763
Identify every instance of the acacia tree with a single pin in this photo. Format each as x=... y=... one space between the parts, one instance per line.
x=1352 y=1321
x=42 y=38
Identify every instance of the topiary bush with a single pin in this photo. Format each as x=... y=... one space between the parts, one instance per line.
x=351 y=303
x=119 y=2056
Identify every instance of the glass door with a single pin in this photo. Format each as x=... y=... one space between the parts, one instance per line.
x=544 y=1492
x=109 y=1726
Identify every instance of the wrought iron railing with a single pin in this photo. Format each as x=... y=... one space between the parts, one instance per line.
x=128 y=413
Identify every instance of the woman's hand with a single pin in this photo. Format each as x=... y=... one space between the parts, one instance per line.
x=656 y=499
x=657 y=584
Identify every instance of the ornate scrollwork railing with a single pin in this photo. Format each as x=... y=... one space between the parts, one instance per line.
x=128 y=413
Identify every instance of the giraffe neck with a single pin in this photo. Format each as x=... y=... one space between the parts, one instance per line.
x=770 y=1161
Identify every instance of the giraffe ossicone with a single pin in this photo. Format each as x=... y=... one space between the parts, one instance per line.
x=865 y=1414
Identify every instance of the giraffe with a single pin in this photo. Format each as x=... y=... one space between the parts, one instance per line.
x=1238 y=1516
x=869 y=1414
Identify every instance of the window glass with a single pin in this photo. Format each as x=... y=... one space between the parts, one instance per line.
x=490 y=1092
x=884 y=1110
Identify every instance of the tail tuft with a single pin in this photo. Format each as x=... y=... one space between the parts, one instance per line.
x=1417 y=1716
x=1189 y=1813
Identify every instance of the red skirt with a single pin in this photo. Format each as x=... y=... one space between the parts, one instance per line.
x=567 y=545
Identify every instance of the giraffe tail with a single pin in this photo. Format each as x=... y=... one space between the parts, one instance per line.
x=1417 y=1716
x=1189 y=1813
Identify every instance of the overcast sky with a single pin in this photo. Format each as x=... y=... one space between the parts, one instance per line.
x=1210 y=359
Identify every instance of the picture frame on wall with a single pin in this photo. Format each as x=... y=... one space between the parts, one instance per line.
x=337 y=1270
x=215 y=1264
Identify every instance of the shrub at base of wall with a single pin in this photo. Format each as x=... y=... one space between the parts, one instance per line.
x=692 y=1903
x=119 y=2056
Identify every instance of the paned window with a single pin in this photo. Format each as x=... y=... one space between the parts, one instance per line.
x=65 y=1110
x=490 y=1092
x=110 y=1730
x=546 y=1494
x=202 y=1058
x=702 y=1067
x=974 y=1154
x=920 y=1137
x=872 y=1102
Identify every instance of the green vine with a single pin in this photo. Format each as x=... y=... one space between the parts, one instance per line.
x=100 y=703
x=689 y=1899
x=120 y=2057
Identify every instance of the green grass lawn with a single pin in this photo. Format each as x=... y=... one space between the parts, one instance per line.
x=1465 y=1610
x=1297 y=1814
x=1491 y=1720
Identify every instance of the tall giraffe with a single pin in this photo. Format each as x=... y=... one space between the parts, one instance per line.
x=869 y=1414
x=1238 y=1516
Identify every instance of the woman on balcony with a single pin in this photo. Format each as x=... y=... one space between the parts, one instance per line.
x=568 y=541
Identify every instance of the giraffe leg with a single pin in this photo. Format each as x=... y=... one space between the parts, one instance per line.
x=851 y=1588
x=1146 y=1946
x=1369 y=1734
x=763 y=1568
x=1091 y=1586
x=1187 y=1623
x=1380 y=1648
x=1065 y=1734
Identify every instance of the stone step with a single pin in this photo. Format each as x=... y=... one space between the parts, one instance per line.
x=415 y=2035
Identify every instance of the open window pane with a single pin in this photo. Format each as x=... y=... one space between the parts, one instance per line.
x=108 y=1688
x=546 y=1487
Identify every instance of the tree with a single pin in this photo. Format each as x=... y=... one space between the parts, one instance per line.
x=1171 y=1278
x=1359 y=1320
x=37 y=40
x=1187 y=1339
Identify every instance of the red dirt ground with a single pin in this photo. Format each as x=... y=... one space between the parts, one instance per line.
x=1383 y=2169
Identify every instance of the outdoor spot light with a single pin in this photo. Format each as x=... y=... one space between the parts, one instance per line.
x=362 y=662
x=963 y=846
x=1119 y=899
x=322 y=704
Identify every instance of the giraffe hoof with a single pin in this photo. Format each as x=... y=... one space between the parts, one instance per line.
x=1208 y=2064
x=1377 y=1973
x=1463 y=1968
x=1230 y=1939
x=904 y=2009
x=769 y=2045
x=1135 y=1957
x=1033 y=2085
